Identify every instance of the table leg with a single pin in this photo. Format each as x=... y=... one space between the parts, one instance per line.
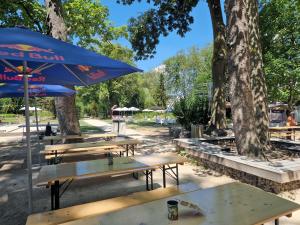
x=56 y=186
x=164 y=175
x=147 y=180
x=151 y=179
x=127 y=150
x=52 y=196
x=177 y=175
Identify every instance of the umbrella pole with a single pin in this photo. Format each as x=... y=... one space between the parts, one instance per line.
x=29 y=169
x=37 y=129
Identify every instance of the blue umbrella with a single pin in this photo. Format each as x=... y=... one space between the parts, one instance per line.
x=31 y=57
x=34 y=90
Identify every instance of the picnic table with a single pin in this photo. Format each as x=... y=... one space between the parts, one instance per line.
x=55 y=175
x=229 y=204
x=287 y=131
x=54 y=158
x=101 y=207
x=106 y=136
x=61 y=150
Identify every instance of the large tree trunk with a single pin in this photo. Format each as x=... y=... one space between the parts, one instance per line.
x=218 y=107
x=239 y=71
x=259 y=87
x=65 y=106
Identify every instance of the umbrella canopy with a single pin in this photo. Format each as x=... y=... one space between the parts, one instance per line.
x=37 y=90
x=134 y=109
x=148 y=110
x=117 y=109
x=51 y=61
x=125 y=109
x=31 y=57
x=30 y=108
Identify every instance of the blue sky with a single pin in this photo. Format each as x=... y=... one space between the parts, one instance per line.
x=201 y=34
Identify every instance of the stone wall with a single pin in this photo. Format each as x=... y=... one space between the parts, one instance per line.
x=267 y=185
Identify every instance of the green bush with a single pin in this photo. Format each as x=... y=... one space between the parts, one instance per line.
x=191 y=110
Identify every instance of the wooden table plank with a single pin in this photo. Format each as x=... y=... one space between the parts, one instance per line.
x=91 y=144
x=234 y=204
x=101 y=168
x=84 y=136
x=105 y=206
x=87 y=151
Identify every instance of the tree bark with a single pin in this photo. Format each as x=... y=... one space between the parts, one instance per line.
x=65 y=106
x=218 y=107
x=258 y=86
x=239 y=71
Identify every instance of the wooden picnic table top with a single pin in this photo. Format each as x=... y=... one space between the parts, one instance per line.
x=105 y=206
x=284 y=128
x=91 y=144
x=61 y=137
x=77 y=150
x=234 y=204
x=84 y=151
x=100 y=167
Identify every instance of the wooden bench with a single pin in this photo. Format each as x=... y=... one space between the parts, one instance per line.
x=105 y=136
x=55 y=175
x=55 y=157
x=105 y=206
x=126 y=142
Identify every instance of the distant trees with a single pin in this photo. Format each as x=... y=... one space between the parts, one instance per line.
x=187 y=75
x=281 y=49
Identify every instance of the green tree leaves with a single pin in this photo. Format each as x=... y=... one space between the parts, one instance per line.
x=280 y=31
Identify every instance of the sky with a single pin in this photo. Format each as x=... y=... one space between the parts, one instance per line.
x=201 y=33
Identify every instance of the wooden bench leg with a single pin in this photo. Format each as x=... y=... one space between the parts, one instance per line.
x=164 y=175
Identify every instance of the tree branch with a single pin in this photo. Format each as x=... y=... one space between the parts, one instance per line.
x=36 y=22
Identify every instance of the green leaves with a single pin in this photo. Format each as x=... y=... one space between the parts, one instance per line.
x=166 y=16
x=281 y=49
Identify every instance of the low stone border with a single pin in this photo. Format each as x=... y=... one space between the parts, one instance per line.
x=280 y=176
x=265 y=184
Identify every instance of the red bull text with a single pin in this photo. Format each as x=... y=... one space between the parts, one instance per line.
x=30 y=51
x=4 y=77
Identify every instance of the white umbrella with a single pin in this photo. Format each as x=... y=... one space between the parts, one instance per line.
x=160 y=111
x=31 y=109
x=148 y=110
x=125 y=109
x=134 y=109
x=117 y=109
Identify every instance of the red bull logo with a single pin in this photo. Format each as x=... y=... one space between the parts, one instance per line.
x=97 y=74
x=83 y=68
x=23 y=50
x=20 y=69
x=26 y=48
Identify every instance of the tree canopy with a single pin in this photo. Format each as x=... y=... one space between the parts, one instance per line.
x=281 y=49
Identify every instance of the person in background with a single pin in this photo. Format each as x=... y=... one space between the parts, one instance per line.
x=291 y=120
x=48 y=131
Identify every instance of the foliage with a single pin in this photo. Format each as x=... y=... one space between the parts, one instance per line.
x=281 y=47
x=191 y=109
x=186 y=74
x=166 y=16
x=160 y=94
x=186 y=69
